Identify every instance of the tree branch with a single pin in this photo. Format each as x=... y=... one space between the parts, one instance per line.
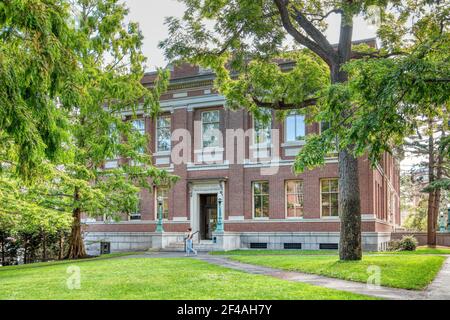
x=300 y=38
x=359 y=55
x=323 y=17
x=314 y=33
x=282 y=105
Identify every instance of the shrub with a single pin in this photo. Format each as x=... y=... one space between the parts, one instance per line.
x=393 y=245
x=408 y=243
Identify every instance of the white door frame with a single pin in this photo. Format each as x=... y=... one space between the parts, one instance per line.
x=198 y=188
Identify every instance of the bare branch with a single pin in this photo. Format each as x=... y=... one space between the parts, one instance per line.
x=323 y=17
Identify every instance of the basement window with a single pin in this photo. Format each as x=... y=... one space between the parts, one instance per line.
x=328 y=246
x=258 y=245
x=292 y=245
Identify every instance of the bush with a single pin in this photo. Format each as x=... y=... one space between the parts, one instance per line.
x=408 y=243
x=393 y=245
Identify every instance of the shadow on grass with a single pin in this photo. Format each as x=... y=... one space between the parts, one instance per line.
x=66 y=261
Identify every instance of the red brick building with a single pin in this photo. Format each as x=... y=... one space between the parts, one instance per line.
x=264 y=204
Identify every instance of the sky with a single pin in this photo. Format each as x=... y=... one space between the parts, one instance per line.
x=150 y=15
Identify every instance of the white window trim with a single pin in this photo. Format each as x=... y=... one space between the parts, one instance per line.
x=253 y=201
x=286 y=202
x=320 y=127
x=293 y=142
x=201 y=135
x=261 y=145
x=297 y=143
x=320 y=204
x=158 y=152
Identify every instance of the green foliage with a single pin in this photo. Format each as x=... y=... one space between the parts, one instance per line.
x=408 y=243
x=80 y=69
x=37 y=60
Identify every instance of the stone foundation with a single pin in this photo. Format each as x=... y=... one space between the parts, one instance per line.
x=141 y=241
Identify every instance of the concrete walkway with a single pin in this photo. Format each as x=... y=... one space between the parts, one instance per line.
x=439 y=289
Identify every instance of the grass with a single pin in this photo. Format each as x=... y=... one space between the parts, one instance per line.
x=421 y=250
x=152 y=278
x=253 y=252
x=398 y=271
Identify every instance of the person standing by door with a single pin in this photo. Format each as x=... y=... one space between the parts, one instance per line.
x=189 y=241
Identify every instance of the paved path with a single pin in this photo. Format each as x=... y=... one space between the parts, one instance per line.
x=439 y=289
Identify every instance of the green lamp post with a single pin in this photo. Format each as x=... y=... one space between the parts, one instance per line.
x=219 y=226
x=159 y=225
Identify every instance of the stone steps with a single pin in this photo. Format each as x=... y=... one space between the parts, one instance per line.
x=203 y=246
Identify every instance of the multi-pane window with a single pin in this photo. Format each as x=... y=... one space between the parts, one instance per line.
x=113 y=134
x=261 y=199
x=325 y=125
x=329 y=197
x=294 y=199
x=163 y=133
x=210 y=128
x=295 y=127
x=136 y=215
x=262 y=128
x=163 y=192
x=139 y=126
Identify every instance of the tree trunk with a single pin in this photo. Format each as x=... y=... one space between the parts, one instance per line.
x=44 y=247
x=349 y=208
x=25 y=249
x=76 y=245
x=349 y=200
x=3 y=251
x=431 y=214
x=61 y=247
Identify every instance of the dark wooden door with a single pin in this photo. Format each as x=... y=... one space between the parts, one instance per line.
x=208 y=215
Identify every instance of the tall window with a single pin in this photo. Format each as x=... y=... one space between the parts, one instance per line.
x=112 y=162
x=262 y=128
x=164 y=193
x=136 y=215
x=261 y=199
x=295 y=127
x=163 y=133
x=294 y=198
x=324 y=125
x=210 y=127
x=139 y=126
x=329 y=197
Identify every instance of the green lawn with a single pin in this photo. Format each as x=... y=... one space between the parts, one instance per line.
x=421 y=250
x=151 y=278
x=252 y=252
x=399 y=271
